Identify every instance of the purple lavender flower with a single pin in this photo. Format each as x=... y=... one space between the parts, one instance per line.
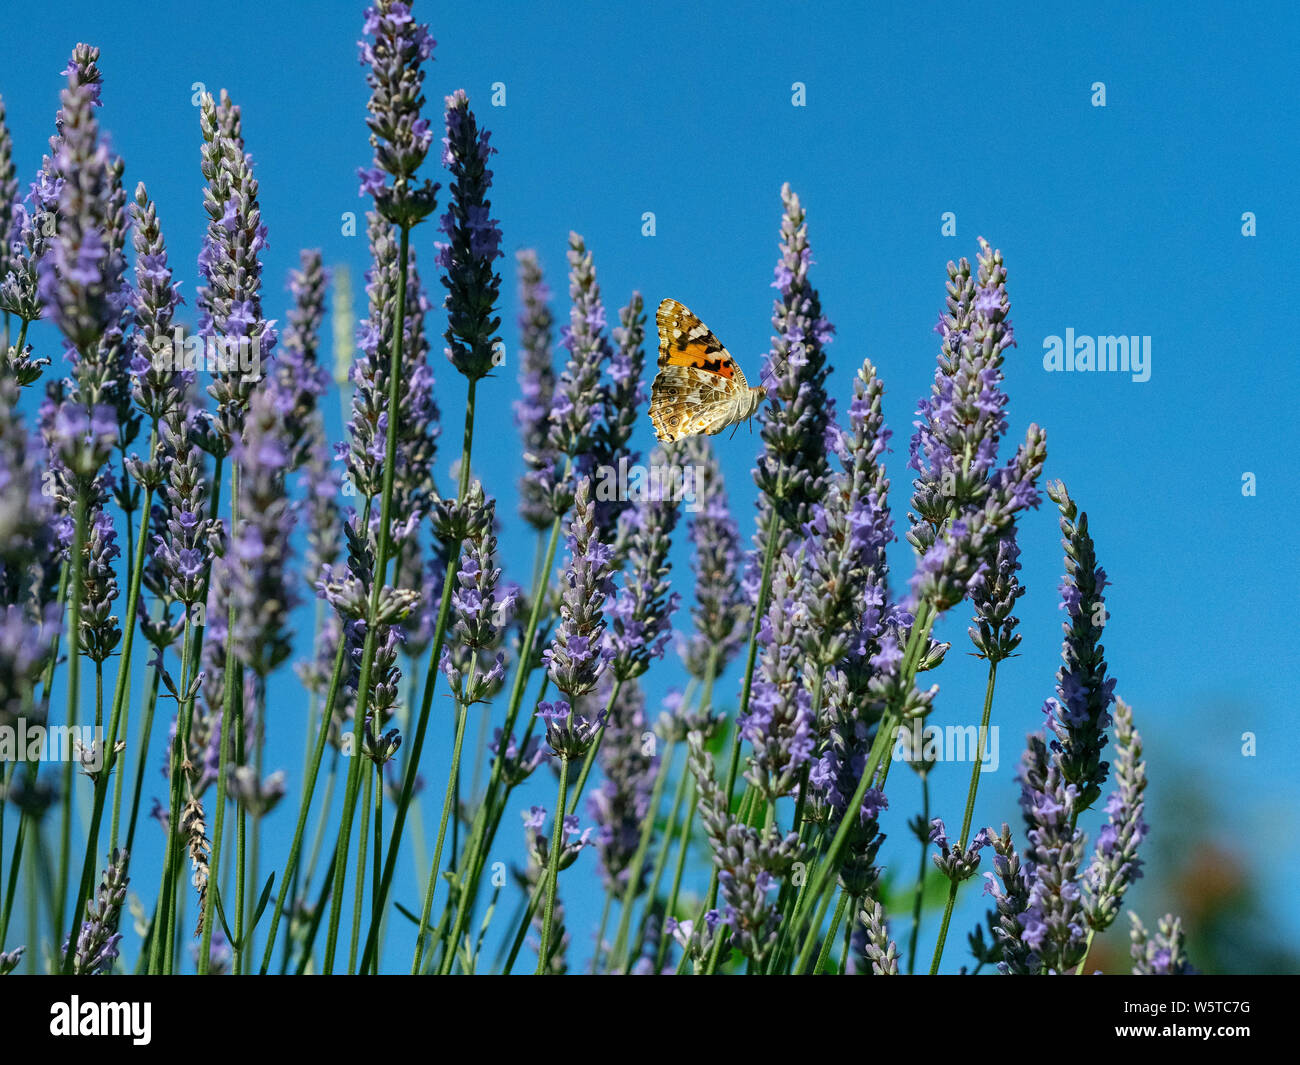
x=791 y=470
x=576 y=657
x=1015 y=933
x=1165 y=953
x=25 y=645
x=35 y=221
x=8 y=191
x=184 y=547
x=230 y=300
x=158 y=381
x=720 y=610
x=642 y=611
x=963 y=507
x=400 y=136
x=1116 y=864
x=622 y=399
x=994 y=599
x=622 y=802
x=536 y=390
x=474 y=243
x=263 y=595
x=98 y=941
x=1053 y=919
x=25 y=510
x=301 y=380
x=877 y=948
x=1080 y=713
x=80 y=280
x=481 y=612
x=518 y=763
x=778 y=722
x=957 y=864
x=100 y=631
x=750 y=863
x=417 y=414
x=578 y=407
x=963 y=420
x=568 y=731
x=539 y=839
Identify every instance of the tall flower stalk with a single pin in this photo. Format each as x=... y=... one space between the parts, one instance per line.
x=401 y=138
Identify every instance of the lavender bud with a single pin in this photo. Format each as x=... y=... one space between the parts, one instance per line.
x=474 y=243
x=400 y=136
x=1116 y=864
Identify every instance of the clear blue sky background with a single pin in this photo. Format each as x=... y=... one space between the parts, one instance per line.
x=1124 y=219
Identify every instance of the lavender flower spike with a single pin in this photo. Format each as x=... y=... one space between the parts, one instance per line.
x=98 y=940
x=1080 y=713
x=399 y=134
x=791 y=470
x=230 y=300
x=750 y=863
x=576 y=657
x=300 y=377
x=536 y=389
x=1010 y=922
x=474 y=243
x=643 y=610
x=579 y=399
x=80 y=280
x=1165 y=954
x=1053 y=920
x=261 y=588
x=720 y=610
x=1116 y=865
x=778 y=723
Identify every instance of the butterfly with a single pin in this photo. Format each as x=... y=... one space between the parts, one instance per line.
x=699 y=388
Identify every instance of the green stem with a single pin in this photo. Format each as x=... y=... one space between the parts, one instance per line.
x=378 y=579
x=179 y=750
x=232 y=674
x=683 y=846
x=447 y=801
x=638 y=862
x=359 y=885
x=969 y=815
x=825 y=954
x=74 y=694
x=146 y=730
x=426 y=705
x=481 y=839
x=919 y=895
x=600 y=930
x=1086 y=948
x=120 y=692
x=304 y=807
x=553 y=867
x=884 y=738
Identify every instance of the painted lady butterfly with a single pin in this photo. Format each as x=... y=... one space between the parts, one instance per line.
x=699 y=388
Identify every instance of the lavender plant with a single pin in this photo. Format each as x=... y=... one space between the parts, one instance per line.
x=252 y=511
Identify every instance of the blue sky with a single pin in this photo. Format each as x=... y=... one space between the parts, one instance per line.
x=1123 y=219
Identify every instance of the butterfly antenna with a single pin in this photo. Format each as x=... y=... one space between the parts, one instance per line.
x=768 y=373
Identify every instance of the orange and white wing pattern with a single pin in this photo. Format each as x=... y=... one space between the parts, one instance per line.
x=699 y=388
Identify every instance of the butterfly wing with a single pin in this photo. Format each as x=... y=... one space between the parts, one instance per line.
x=698 y=382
